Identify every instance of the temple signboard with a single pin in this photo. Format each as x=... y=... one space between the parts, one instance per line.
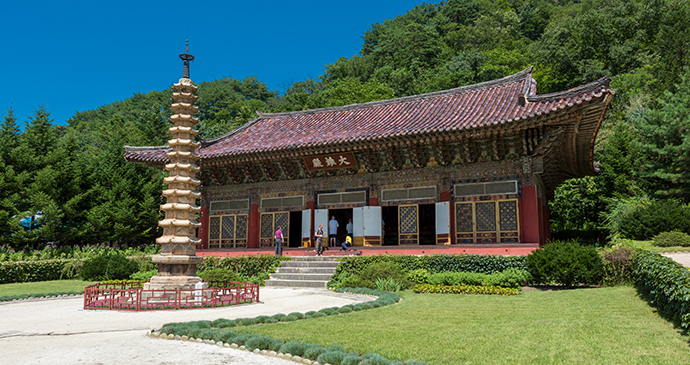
x=344 y=160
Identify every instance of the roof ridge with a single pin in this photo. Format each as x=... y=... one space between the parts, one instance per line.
x=526 y=73
x=145 y=148
x=602 y=82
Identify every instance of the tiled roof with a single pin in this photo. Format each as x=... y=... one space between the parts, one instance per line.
x=503 y=101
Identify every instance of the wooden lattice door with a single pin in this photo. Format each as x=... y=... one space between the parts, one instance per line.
x=493 y=221
x=269 y=223
x=228 y=231
x=408 y=227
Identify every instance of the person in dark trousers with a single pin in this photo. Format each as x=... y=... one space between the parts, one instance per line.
x=318 y=240
x=347 y=244
x=332 y=232
x=279 y=242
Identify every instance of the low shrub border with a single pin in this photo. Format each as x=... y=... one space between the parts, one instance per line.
x=8 y=298
x=437 y=263
x=465 y=289
x=30 y=271
x=666 y=284
x=218 y=333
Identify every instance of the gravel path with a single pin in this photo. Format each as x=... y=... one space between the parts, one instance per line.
x=59 y=331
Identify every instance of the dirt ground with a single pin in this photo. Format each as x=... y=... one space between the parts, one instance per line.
x=59 y=331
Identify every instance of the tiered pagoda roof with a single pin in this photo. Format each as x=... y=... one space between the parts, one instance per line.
x=504 y=106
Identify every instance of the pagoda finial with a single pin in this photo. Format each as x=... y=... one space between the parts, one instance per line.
x=186 y=57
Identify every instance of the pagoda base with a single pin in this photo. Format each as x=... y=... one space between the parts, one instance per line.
x=175 y=282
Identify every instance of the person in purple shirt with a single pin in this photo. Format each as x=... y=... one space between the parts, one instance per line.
x=279 y=242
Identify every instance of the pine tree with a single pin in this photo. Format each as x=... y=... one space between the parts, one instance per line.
x=665 y=140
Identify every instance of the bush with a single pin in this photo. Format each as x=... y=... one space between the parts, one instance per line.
x=30 y=271
x=245 y=266
x=277 y=344
x=108 y=265
x=648 y=220
x=375 y=359
x=419 y=276
x=293 y=348
x=331 y=357
x=618 y=265
x=313 y=352
x=144 y=275
x=486 y=264
x=219 y=275
x=224 y=323
x=666 y=284
x=464 y=289
x=240 y=339
x=351 y=359
x=258 y=342
x=385 y=270
x=511 y=278
x=670 y=239
x=565 y=262
x=387 y=284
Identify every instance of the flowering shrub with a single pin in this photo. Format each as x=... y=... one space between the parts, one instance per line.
x=464 y=289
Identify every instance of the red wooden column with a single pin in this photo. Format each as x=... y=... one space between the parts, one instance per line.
x=529 y=215
x=254 y=226
x=202 y=232
x=445 y=197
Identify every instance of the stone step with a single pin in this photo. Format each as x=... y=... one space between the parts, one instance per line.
x=306 y=270
x=297 y=283
x=299 y=276
x=313 y=258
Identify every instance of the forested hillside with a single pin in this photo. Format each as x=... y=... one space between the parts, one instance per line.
x=69 y=184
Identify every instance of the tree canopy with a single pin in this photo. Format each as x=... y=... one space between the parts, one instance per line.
x=70 y=184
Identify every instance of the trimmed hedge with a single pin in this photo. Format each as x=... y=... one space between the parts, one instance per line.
x=464 y=289
x=484 y=264
x=246 y=266
x=31 y=271
x=666 y=284
x=334 y=354
x=7 y=298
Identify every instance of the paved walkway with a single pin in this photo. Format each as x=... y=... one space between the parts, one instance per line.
x=59 y=331
x=682 y=258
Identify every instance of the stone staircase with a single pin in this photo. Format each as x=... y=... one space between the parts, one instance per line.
x=304 y=271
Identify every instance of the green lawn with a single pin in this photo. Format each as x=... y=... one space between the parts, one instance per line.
x=647 y=245
x=585 y=326
x=53 y=286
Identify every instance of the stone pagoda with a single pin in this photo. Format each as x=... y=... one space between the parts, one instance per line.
x=177 y=260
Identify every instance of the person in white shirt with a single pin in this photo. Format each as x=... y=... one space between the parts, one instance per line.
x=349 y=228
x=332 y=231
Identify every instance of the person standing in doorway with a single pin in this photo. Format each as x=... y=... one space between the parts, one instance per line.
x=279 y=242
x=350 y=227
x=332 y=231
x=318 y=240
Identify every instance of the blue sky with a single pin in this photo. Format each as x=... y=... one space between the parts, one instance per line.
x=77 y=55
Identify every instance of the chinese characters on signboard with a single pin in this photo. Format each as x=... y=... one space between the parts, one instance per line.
x=331 y=161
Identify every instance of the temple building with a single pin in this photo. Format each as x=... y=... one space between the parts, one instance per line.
x=469 y=165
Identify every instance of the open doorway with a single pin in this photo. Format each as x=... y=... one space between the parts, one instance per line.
x=342 y=216
x=427 y=224
x=389 y=215
x=295 y=231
